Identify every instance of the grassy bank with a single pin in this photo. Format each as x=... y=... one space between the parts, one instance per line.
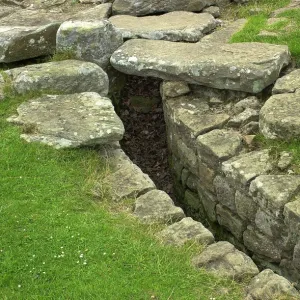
x=58 y=242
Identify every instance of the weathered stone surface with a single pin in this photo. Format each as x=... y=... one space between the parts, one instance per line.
x=245 y=167
x=218 y=145
x=192 y=199
x=231 y=221
x=272 y=192
x=64 y=121
x=247 y=116
x=248 y=67
x=250 y=128
x=225 y=260
x=213 y=10
x=192 y=116
x=2 y=83
x=7 y=10
x=269 y=286
x=77 y=76
x=261 y=244
x=225 y=193
x=249 y=102
x=296 y=256
x=174 y=26
x=96 y=13
x=245 y=206
x=186 y=230
x=147 y=7
x=279 y=117
x=209 y=202
x=192 y=182
x=128 y=181
x=92 y=41
x=157 y=206
x=206 y=176
x=224 y=35
x=174 y=89
x=289 y=83
x=23 y=42
x=285 y=160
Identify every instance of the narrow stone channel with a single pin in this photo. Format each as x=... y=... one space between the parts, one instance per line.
x=145 y=140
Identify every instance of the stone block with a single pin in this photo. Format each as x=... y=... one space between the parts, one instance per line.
x=172 y=89
x=246 y=208
x=225 y=192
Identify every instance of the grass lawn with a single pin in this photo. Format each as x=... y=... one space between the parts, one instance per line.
x=58 y=242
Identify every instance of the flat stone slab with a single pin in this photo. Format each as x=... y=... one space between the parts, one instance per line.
x=272 y=192
x=174 y=26
x=68 y=121
x=245 y=167
x=289 y=83
x=77 y=77
x=96 y=13
x=269 y=286
x=23 y=42
x=157 y=206
x=186 y=230
x=279 y=117
x=92 y=41
x=224 y=259
x=248 y=67
x=146 y=7
x=128 y=181
x=218 y=145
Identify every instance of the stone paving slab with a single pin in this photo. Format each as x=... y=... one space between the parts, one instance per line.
x=173 y=26
x=248 y=67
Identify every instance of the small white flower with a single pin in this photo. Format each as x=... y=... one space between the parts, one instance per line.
x=81 y=255
x=104 y=253
x=19 y=285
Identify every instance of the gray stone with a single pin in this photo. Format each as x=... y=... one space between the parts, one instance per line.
x=206 y=176
x=225 y=193
x=23 y=42
x=192 y=116
x=225 y=33
x=96 y=13
x=279 y=117
x=245 y=167
x=186 y=230
x=248 y=67
x=128 y=181
x=192 y=200
x=184 y=176
x=289 y=83
x=92 y=41
x=2 y=84
x=248 y=115
x=285 y=160
x=174 y=26
x=269 y=286
x=217 y=146
x=77 y=77
x=250 y=128
x=213 y=10
x=147 y=7
x=272 y=192
x=231 y=221
x=249 y=102
x=224 y=259
x=192 y=182
x=296 y=256
x=157 y=206
x=7 y=10
x=174 y=89
x=261 y=244
x=64 y=121
x=245 y=206
x=209 y=202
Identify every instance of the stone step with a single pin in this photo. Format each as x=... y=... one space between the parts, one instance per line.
x=248 y=67
x=174 y=26
x=146 y=7
x=69 y=121
x=77 y=77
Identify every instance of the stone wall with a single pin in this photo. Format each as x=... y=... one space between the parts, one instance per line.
x=244 y=194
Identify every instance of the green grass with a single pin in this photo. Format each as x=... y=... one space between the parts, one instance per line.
x=288 y=32
x=58 y=242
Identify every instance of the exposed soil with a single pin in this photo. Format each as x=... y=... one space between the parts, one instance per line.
x=145 y=140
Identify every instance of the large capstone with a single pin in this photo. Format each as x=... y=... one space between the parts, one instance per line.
x=248 y=67
x=146 y=7
x=65 y=121
x=174 y=26
x=279 y=117
x=92 y=41
x=77 y=76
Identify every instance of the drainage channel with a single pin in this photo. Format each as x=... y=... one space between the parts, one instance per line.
x=145 y=139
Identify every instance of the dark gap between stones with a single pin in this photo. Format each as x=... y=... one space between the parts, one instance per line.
x=145 y=139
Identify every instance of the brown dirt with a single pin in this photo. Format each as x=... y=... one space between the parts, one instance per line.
x=145 y=140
